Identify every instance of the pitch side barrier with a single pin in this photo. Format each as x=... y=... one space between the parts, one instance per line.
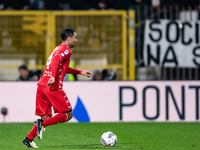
x=117 y=101
x=28 y=37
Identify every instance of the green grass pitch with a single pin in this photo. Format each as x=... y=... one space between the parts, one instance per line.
x=130 y=136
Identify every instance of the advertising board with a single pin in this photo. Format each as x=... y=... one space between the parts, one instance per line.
x=117 y=101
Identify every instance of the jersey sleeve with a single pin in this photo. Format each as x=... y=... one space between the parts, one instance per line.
x=73 y=71
x=67 y=69
x=54 y=64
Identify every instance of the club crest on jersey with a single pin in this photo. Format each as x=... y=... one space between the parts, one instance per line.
x=66 y=52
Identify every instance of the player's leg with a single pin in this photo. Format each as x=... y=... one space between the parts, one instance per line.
x=62 y=107
x=29 y=143
x=70 y=115
x=59 y=118
x=43 y=108
x=33 y=133
x=45 y=117
x=39 y=125
x=28 y=140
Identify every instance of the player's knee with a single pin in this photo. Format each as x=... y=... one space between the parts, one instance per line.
x=45 y=117
x=70 y=115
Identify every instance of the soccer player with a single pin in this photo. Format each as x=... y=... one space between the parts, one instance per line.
x=49 y=91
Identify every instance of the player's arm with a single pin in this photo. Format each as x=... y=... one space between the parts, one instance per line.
x=54 y=66
x=75 y=71
x=86 y=73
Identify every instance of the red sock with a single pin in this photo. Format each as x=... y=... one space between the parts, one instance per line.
x=33 y=133
x=59 y=118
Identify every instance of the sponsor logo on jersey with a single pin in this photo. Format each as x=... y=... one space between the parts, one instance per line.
x=66 y=52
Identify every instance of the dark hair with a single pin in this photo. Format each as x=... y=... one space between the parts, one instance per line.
x=24 y=67
x=66 y=32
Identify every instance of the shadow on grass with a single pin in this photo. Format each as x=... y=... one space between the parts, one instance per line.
x=96 y=146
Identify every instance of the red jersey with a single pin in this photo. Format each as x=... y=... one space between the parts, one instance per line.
x=57 y=66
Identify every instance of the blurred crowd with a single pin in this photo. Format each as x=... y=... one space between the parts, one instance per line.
x=103 y=75
x=90 y=4
x=28 y=75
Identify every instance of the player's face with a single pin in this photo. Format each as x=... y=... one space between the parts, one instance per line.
x=73 y=40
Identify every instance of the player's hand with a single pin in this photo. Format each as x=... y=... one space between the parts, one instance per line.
x=51 y=81
x=86 y=73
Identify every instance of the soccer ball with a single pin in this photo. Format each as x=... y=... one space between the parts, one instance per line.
x=108 y=139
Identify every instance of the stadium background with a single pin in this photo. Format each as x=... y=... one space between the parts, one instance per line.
x=28 y=37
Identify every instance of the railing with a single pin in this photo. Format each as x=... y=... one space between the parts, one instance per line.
x=161 y=72
x=29 y=37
